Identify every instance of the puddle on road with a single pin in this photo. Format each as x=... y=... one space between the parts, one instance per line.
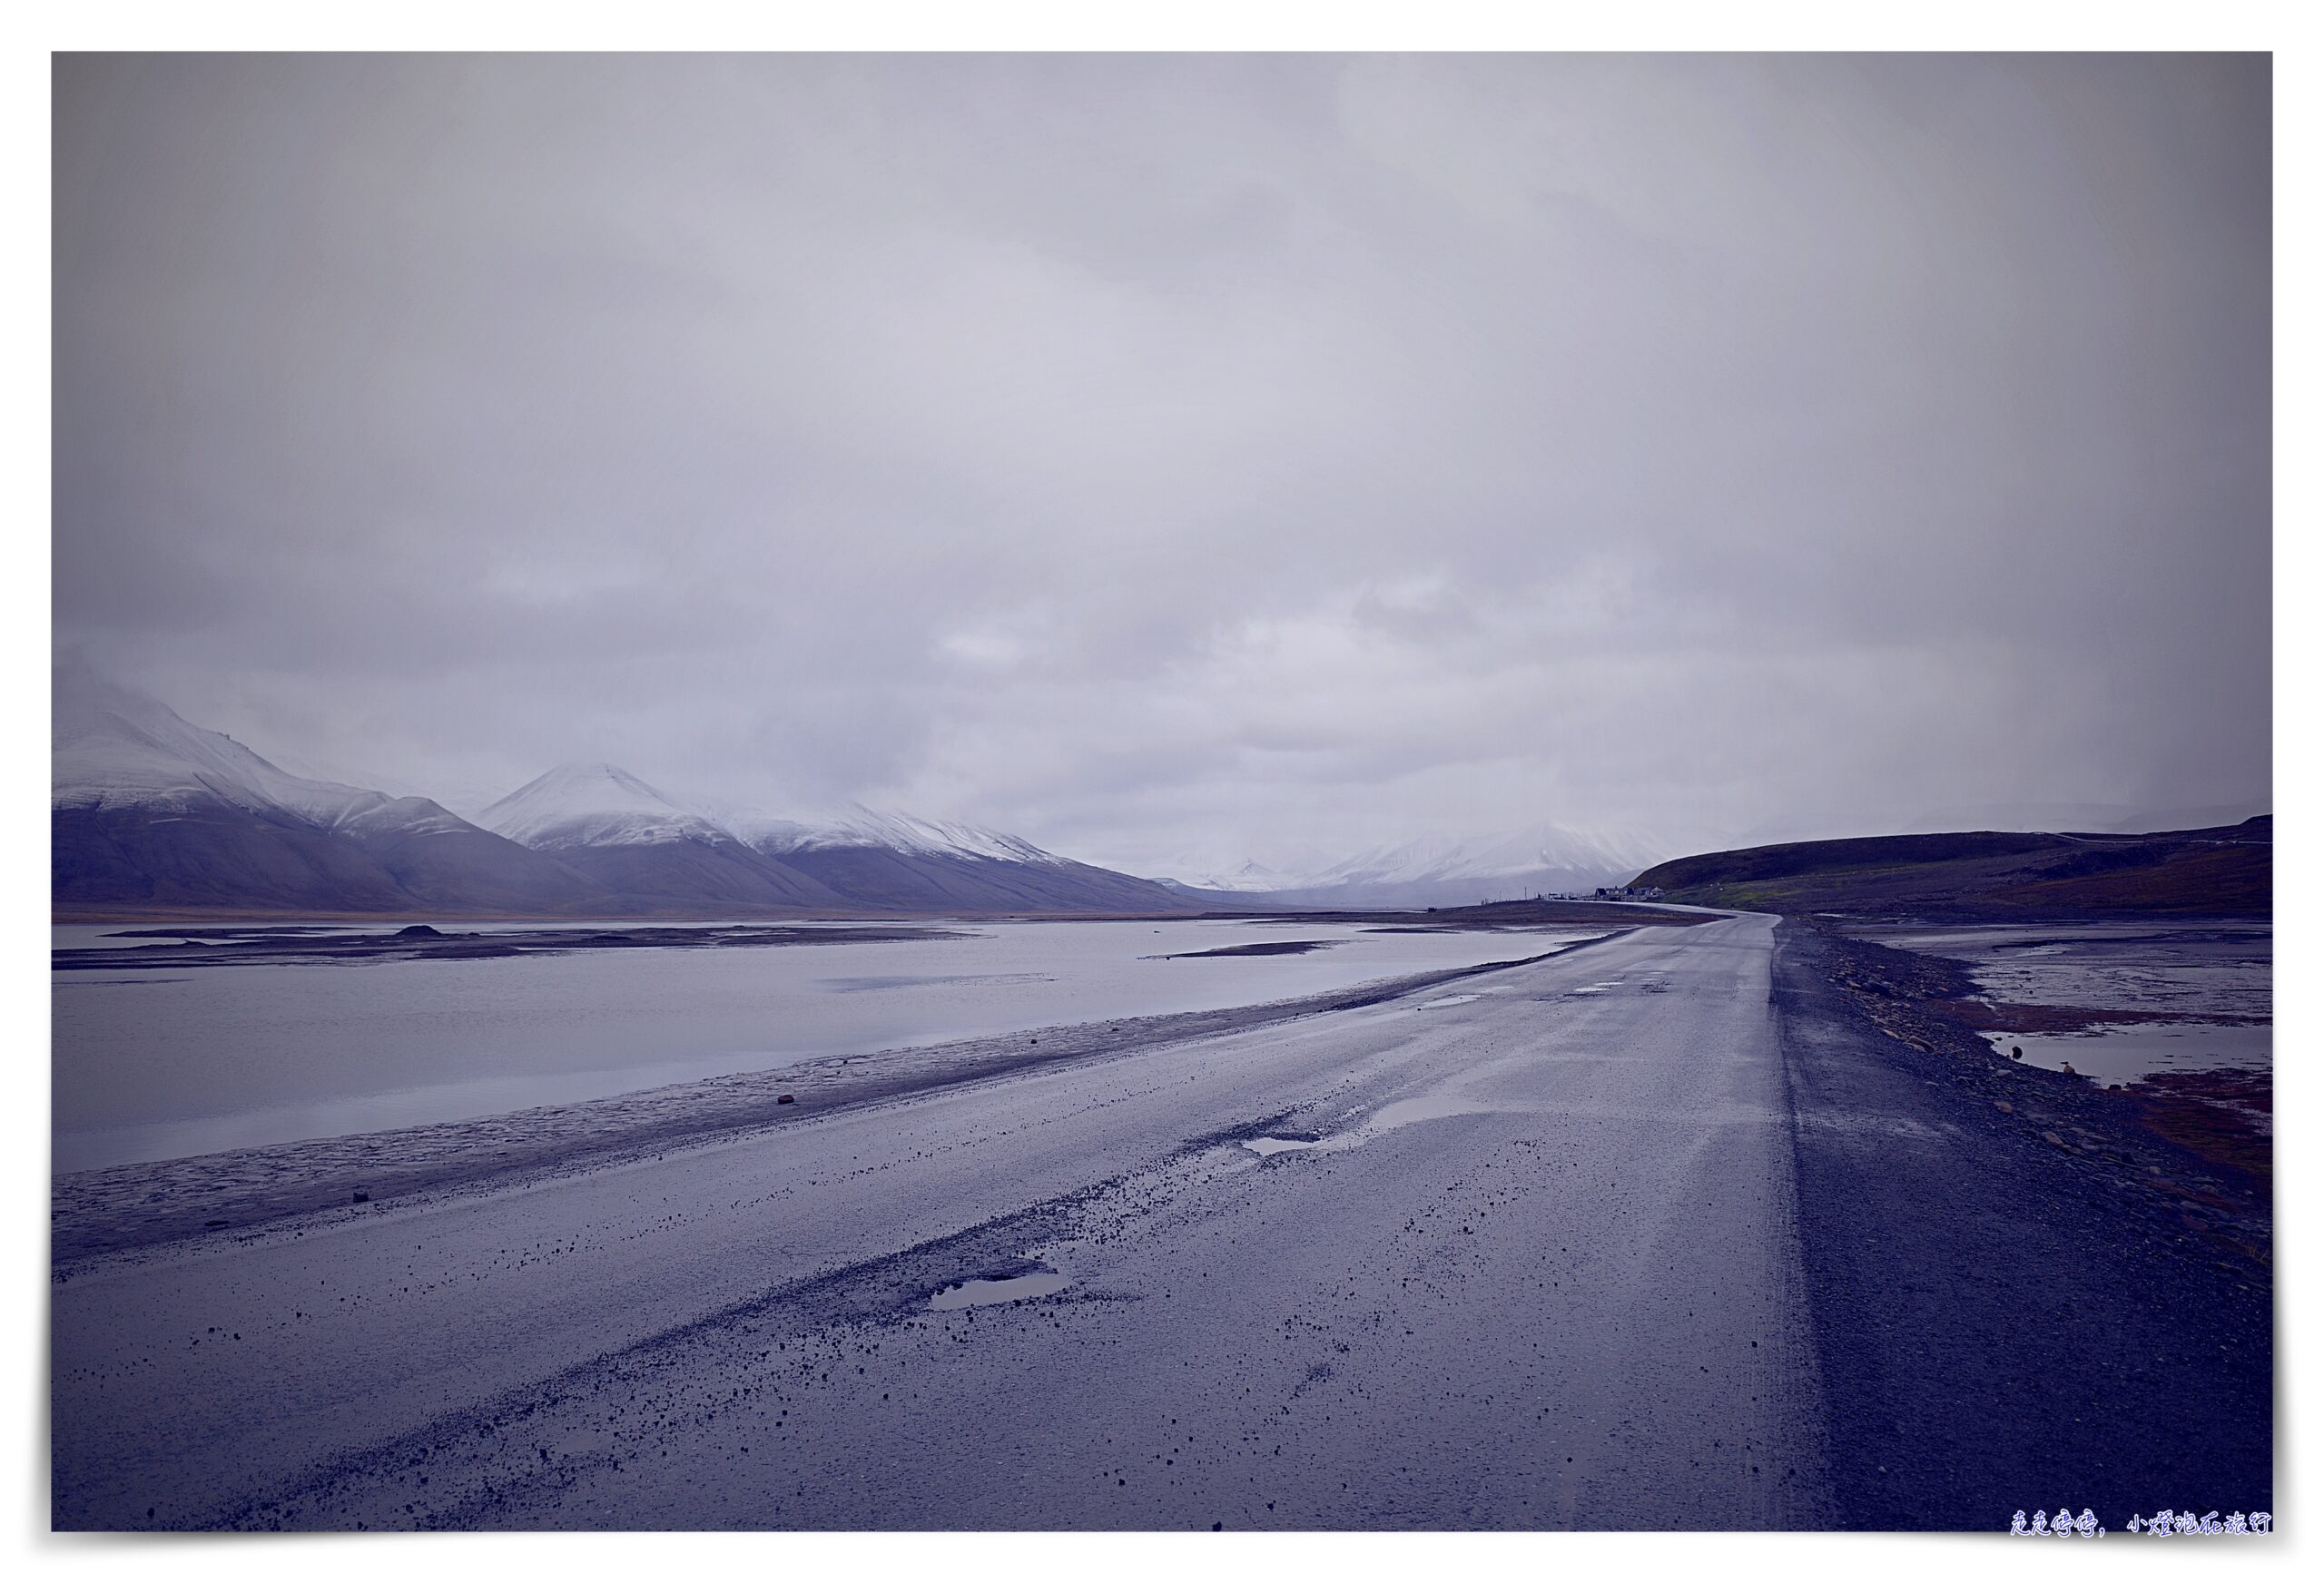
x=1598 y=988
x=1400 y=1113
x=1263 y=1146
x=1436 y=1107
x=1446 y=1000
x=977 y=1293
x=1459 y=1097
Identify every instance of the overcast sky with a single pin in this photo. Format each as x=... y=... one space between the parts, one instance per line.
x=1177 y=460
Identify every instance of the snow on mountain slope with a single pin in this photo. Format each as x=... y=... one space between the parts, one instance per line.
x=1538 y=848
x=595 y=805
x=647 y=848
x=857 y=826
x=638 y=841
x=1251 y=877
x=149 y=811
x=114 y=748
x=903 y=861
x=1444 y=869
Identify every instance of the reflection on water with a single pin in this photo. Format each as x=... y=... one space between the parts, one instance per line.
x=977 y=1293
x=925 y=981
x=2199 y=973
x=158 y=1066
x=2120 y=1052
x=1266 y=1147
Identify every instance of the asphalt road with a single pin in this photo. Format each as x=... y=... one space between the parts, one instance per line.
x=1534 y=1259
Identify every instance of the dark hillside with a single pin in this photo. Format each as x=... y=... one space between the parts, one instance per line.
x=2226 y=872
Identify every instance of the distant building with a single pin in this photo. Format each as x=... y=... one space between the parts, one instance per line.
x=1629 y=892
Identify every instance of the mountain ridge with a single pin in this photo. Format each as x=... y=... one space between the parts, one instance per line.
x=150 y=812
x=1441 y=870
x=147 y=809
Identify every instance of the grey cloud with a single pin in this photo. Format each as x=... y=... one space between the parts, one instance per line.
x=1165 y=453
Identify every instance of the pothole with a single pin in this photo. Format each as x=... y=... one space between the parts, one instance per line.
x=1431 y=1107
x=1263 y=1146
x=977 y=1293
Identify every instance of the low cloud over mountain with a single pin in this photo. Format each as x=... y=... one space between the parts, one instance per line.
x=151 y=812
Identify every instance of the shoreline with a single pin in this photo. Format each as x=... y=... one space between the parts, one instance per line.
x=1936 y=1002
x=1522 y=914
x=139 y=1208
x=1905 y=995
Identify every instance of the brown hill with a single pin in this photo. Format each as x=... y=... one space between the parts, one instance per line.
x=1977 y=874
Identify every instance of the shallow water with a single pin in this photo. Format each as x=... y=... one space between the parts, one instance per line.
x=2120 y=1052
x=2194 y=973
x=977 y=1293
x=1265 y=1147
x=162 y=1065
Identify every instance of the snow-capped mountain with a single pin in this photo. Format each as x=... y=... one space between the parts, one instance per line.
x=1446 y=871
x=857 y=826
x=1511 y=855
x=146 y=808
x=903 y=861
x=112 y=748
x=1253 y=877
x=635 y=842
x=594 y=805
x=150 y=811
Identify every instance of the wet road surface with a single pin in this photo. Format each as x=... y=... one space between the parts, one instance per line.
x=1524 y=1255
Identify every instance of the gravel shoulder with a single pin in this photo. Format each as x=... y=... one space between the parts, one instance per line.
x=2022 y=1295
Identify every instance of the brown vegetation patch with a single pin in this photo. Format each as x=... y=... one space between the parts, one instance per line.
x=2026 y=1016
x=2226 y=1115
